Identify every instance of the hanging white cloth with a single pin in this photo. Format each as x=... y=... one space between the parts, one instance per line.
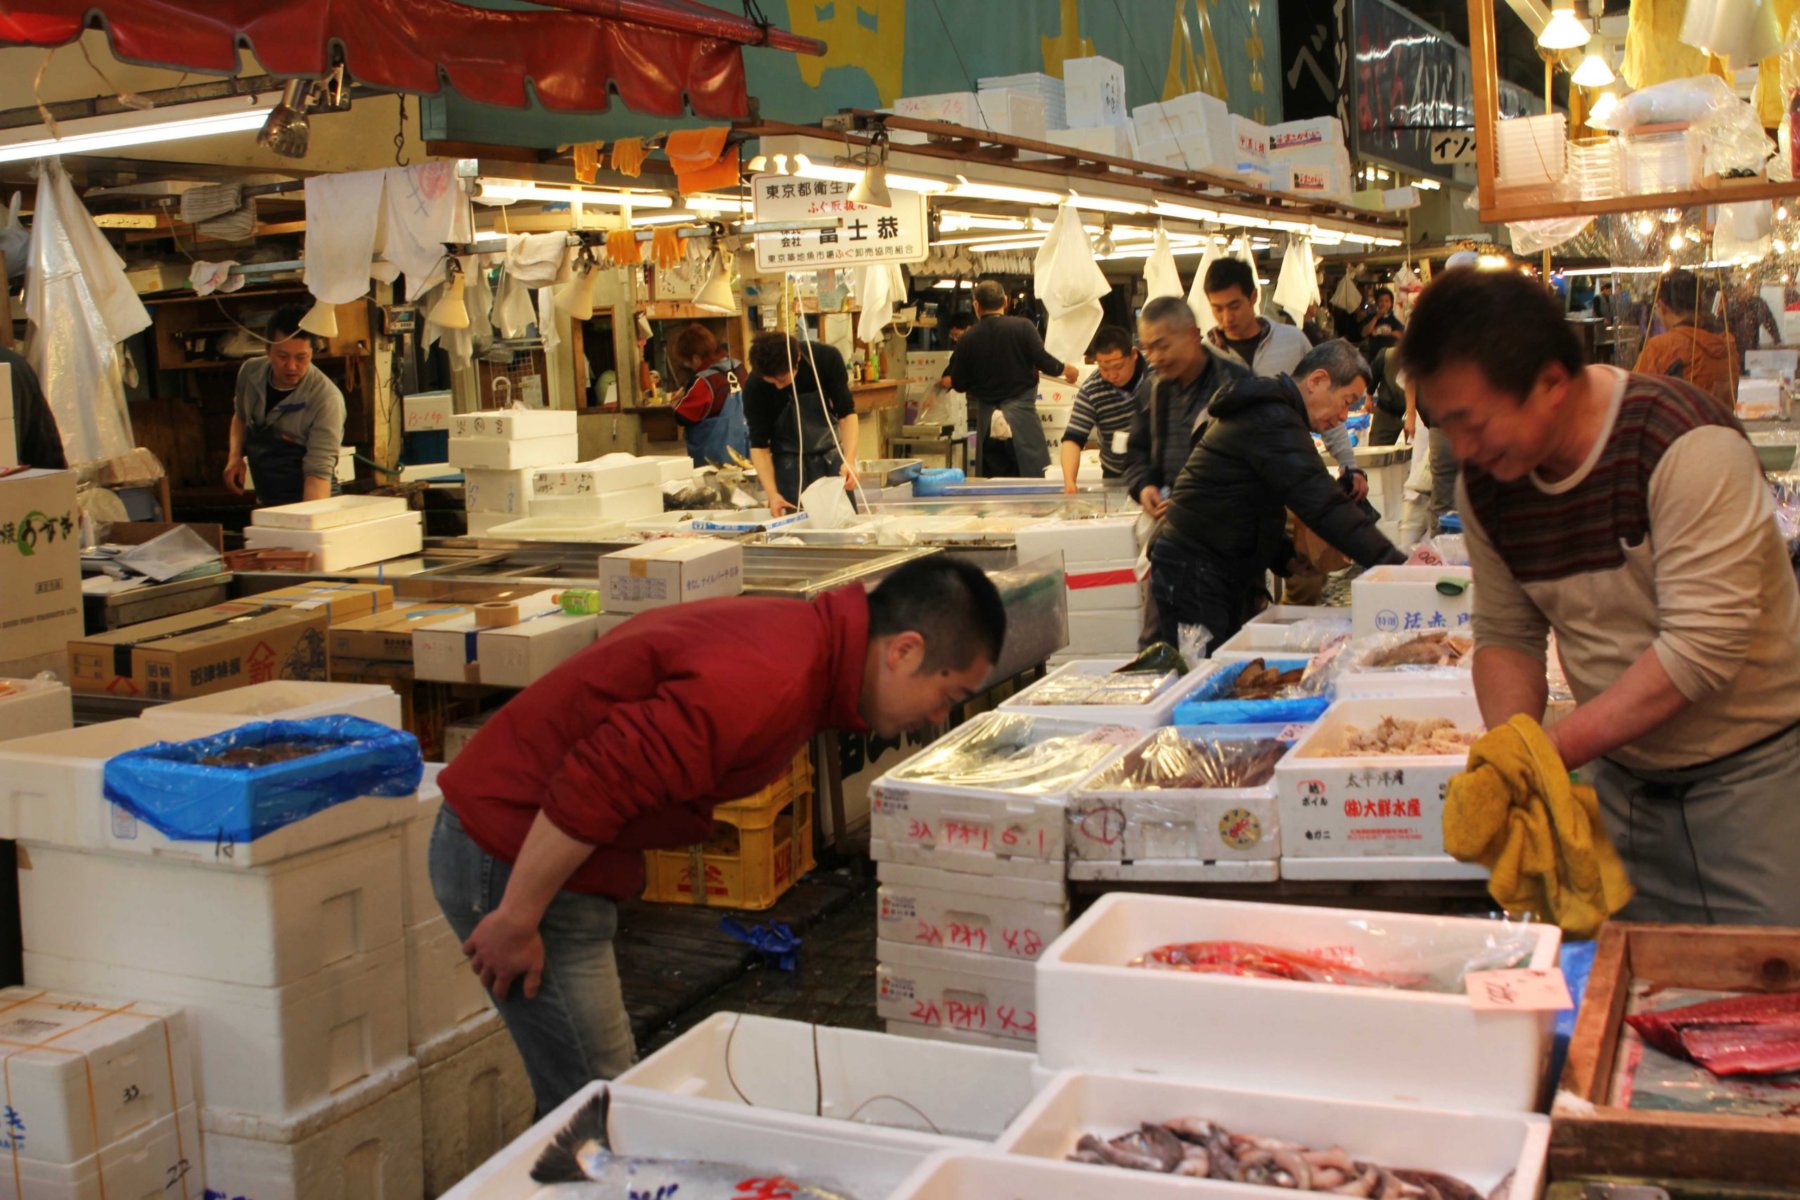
x=1297 y=287
x=424 y=209
x=880 y=287
x=1348 y=296
x=210 y=277
x=1241 y=248
x=1203 y=315
x=81 y=306
x=533 y=260
x=343 y=217
x=1070 y=283
x=1407 y=286
x=1160 y=275
x=548 y=319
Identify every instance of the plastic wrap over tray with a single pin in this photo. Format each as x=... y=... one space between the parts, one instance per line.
x=1213 y=702
x=216 y=788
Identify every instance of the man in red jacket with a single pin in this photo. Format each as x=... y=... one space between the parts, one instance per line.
x=629 y=745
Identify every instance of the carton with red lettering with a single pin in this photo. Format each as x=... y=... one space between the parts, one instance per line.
x=1010 y=918
x=958 y=991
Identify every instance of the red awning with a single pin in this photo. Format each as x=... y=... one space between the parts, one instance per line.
x=658 y=55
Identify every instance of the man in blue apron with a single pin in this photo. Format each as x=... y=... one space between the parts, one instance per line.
x=287 y=420
x=800 y=411
x=711 y=411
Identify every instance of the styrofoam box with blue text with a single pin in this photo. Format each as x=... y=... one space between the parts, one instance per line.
x=670 y=571
x=1407 y=599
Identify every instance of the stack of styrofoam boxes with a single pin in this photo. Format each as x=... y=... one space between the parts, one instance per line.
x=1056 y=404
x=341 y=531
x=616 y=487
x=972 y=880
x=99 y=1098
x=1012 y=112
x=1312 y=157
x=1193 y=131
x=499 y=443
x=1100 y=567
x=286 y=951
x=425 y=420
x=1095 y=104
x=29 y=706
x=1045 y=106
x=496 y=497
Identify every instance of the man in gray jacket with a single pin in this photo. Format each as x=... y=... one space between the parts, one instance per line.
x=287 y=420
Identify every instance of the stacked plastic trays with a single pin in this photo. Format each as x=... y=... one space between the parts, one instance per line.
x=1593 y=170
x=1532 y=150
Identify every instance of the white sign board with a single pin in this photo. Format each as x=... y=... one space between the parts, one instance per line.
x=863 y=233
x=1453 y=147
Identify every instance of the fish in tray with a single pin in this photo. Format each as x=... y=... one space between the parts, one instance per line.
x=1199 y=1149
x=1739 y=1035
x=1003 y=752
x=1170 y=761
x=581 y=1164
x=1257 y=961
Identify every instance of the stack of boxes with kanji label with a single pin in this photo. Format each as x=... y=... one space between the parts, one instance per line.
x=498 y=449
x=1094 y=101
x=1100 y=566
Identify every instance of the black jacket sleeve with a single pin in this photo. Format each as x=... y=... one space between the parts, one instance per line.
x=1046 y=362
x=834 y=381
x=34 y=425
x=1139 y=471
x=1289 y=464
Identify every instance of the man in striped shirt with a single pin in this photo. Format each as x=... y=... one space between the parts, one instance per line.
x=1628 y=513
x=1106 y=400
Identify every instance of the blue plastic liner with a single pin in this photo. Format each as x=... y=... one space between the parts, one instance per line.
x=933 y=480
x=166 y=786
x=1211 y=703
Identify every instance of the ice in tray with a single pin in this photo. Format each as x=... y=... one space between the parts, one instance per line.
x=1013 y=753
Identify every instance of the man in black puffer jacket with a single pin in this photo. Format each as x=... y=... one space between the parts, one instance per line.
x=1254 y=460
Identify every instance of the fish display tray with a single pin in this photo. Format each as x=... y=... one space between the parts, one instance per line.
x=1153 y=712
x=1387 y=1046
x=1590 y=1136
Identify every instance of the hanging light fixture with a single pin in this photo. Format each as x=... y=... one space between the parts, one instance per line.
x=575 y=295
x=872 y=187
x=1593 y=71
x=320 y=320
x=1564 y=30
x=287 y=131
x=1602 y=111
x=716 y=295
x=448 y=312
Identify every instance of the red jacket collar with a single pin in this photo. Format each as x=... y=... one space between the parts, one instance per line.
x=845 y=614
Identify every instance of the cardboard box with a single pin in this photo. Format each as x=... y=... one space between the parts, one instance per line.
x=208 y=650
x=425 y=411
x=519 y=655
x=447 y=651
x=670 y=571
x=388 y=635
x=40 y=563
x=514 y=423
x=341 y=601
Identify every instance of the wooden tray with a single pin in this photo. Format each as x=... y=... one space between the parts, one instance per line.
x=1589 y=1138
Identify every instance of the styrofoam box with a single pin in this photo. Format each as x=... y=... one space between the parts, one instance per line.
x=507 y=1174
x=1104 y=587
x=161 y=1161
x=610 y=473
x=672 y=468
x=1148 y=715
x=1177 y=870
x=510 y=454
x=101 y=1070
x=268 y=1051
x=1302 y=1042
x=1379 y=867
x=1119 y=141
x=418 y=902
x=954 y=108
x=1325 y=799
x=274 y=700
x=31 y=706
x=958 y=1176
x=441 y=990
x=1288 y=614
x=606 y=506
x=1195 y=824
x=263 y=926
x=1094 y=92
x=1270 y=638
x=366 y=1142
x=956 y=1037
x=557 y=529
x=472 y=1101
x=982 y=822
x=424 y=411
x=483 y=524
x=1479 y=1148
x=1092 y=540
x=1106 y=631
x=506 y=493
x=1013 y=918
x=913 y=854
x=329 y=513
x=517 y=424
x=680 y=1098
x=52 y=794
x=1437 y=681
x=978 y=993
x=347 y=545
x=1403 y=599
x=519 y=655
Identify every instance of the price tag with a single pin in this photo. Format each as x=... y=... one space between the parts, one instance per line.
x=1518 y=990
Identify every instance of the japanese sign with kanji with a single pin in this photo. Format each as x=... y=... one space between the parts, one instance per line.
x=1453 y=146
x=863 y=233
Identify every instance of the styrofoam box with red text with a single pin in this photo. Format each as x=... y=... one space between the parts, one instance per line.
x=1012 y=918
x=1095 y=587
x=953 y=989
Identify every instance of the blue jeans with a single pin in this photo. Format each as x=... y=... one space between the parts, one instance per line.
x=576 y=1030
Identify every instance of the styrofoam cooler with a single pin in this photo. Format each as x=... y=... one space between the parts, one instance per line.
x=330 y=513
x=1480 y=1148
x=1400 y=681
x=1279 y=639
x=442 y=992
x=1109 y=539
x=507 y=1174
x=916 y=854
x=474 y=1098
x=1311 y=1038
x=418 y=902
x=160 y=1161
x=498 y=493
x=1011 y=918
x=1406 y=600
x=863 y=1106
x=364 y=1142
x=31 y=706
x=275 y=700
x=1105 y=631
x=344 y=546
x=957 y=990
x=1288 y=614
x=1096 y=587
x=602 y=506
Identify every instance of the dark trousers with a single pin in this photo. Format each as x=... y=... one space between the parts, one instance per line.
x=1192 y=587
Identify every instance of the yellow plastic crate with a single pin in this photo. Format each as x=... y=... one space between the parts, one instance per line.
x=797 y=779
x=755 y=855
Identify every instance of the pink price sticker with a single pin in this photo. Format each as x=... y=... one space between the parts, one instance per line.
x=1518 y=990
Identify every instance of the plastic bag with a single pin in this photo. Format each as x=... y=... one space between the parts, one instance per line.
x=1436 y=655
x=1071 y=286
x=1170 y=760
x=1213 y=702
x=1531 y=237
x=15 y=240
x=169 y=554
x=827 y=503
x=1193 y=642
x=174 y=788
x=1443 y=550
x=1008 y=752
x=1672 y=102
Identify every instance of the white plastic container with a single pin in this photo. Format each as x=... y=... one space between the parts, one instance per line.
x=1305 y=1038
x=671 y=468
x=954 y=1037
x=329 y=513
x=275 y=700
x=1089 y=540
x=1335 y=806
x=418 y=902
x=498 y=493
x=1479 y=1148
x=1148 y=715
x=32 y=706
x=1288 y=614
x=269 y=1051
x=1096 y=587
x=1272 y=639
x=1176 y=870
x=83 y=1074
x=442 y=991
x=262 y=926
x=680 y=1098
x=1105 y=632
x=365 y=1142
x=915 y=854
x=952 y=989
x=161 y=1161
x=511 y=454
x=474 y=1098
x=611 y=473
x=626 y=505
x=1437 y=681
x=1379 y=867
x=507 y=1174
x=1406 y=600
x=514 y=423
x=346 y=546
x=1012 y=918
x=519 y=655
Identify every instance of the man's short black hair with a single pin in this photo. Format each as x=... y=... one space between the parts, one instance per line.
x=1680 y=290
x=989 y=296
x=773 y=352
x=963 y=320
x=947 y=601
x=1388 y=292
x=1606 y=287
x=285 y=324
x=1227 y=273
x=1509 y=327
x=1110 y=340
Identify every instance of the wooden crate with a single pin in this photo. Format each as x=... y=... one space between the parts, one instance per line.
x=1589 y=1138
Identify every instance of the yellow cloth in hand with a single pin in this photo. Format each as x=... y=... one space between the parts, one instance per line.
x=1514 y=811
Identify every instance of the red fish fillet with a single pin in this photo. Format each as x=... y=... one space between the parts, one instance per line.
x=1739 y=1035
x=1268 y=962
x=1663 y=1029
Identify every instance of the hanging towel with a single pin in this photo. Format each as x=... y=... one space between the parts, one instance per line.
x=587 y=160
x=1297 y=287
x=549 y=321
x=879 y=287
x=343 y=215
x=628 y=155
x=701 y=159
x=623 y=247
x=535 y=259
x=665 y=249
x=1160 y=276
x=1070 y=284
x=425 y=209
x=1348 y=296
x=1197 y=293
x=210 y=277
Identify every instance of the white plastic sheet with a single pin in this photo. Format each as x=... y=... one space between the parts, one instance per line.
x=1197 y=301
x=1532 y=237
x=1070 y=283
x=1348 y=296
x=80 y=305
x=1297 y=287
x=15 y=239
x=1160 y=276
x=879 y=287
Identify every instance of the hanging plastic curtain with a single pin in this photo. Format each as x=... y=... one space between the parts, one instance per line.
x=1070 y=284
x=1197 y=301
x=1160 y=276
